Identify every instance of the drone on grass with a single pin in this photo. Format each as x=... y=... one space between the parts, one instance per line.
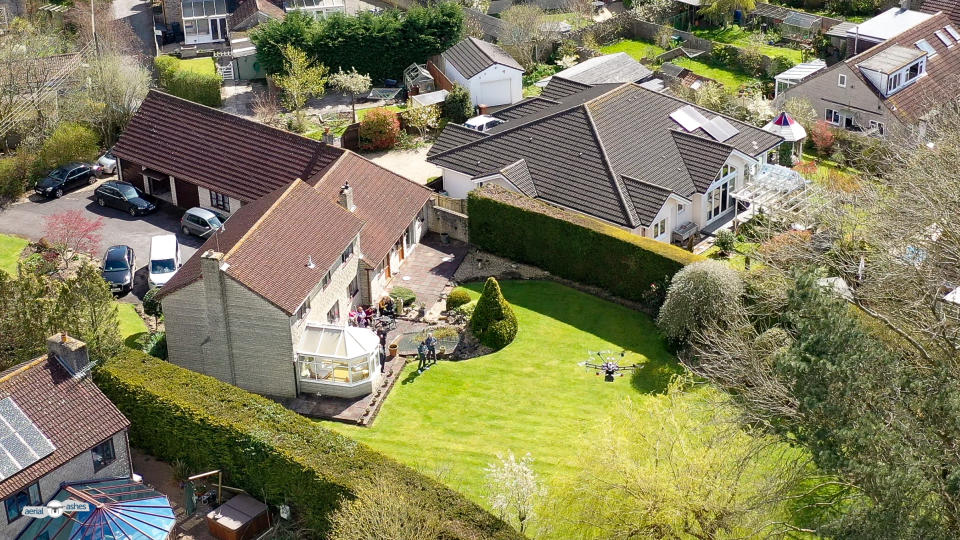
x=606 y=362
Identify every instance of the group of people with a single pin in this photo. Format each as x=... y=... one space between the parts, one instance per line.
x=427 y=352
x=372 y=316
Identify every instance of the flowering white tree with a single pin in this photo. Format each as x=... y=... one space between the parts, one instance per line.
x=513 y=487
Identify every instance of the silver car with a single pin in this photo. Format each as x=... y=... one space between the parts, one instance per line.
x=107 y=163
x=200 y=222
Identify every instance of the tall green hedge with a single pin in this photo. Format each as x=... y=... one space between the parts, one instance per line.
x=570 y=245
x=264 y=448
x=196 y=79
x=381 y=45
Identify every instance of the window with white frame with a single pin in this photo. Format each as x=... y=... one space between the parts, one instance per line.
x=333 y=316
x=842 y=81
x=303 y=310
x=680 y=208
x=719 y=200
x=726 y=170
x=354 y=286
x=878 y=126
x=219 y=200
x=317 y=9
x=103 y=454
x=659 y=228
x=906 y=76
x=345 y=256
x=197 y=15
x=832 y=116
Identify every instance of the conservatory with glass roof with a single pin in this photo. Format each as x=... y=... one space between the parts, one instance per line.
x=340 y=361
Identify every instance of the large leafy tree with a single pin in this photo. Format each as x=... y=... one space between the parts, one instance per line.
x=350 y=82
x=856 y=356
x=301 y=80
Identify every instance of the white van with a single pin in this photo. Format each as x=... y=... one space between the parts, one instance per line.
x=164 y=259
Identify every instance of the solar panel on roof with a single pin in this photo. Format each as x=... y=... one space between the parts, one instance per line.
x=952 y=31
x=720 y=129
x=688 y=118
x=22 y=444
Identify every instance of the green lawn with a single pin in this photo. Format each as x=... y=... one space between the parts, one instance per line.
x=732 y=80
x=10 y=248
x=529 y=397
x=361 y=113
x=199 y=65
x=737 y=35
x=130 y=322
x=635 y=48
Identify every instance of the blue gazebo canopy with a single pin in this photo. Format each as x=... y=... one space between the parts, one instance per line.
x=121 y=509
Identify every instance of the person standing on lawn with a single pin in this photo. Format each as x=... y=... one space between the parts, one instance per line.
x=421 y=357
x=431 y=343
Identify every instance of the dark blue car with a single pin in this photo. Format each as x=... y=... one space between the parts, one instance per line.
x=119 y=265
x=123 y=196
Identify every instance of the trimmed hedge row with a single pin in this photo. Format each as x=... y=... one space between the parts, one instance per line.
x=198 y=85
x=266 y=449
x=570 y=245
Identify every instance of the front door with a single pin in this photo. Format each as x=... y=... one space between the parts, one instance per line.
x=218 y=29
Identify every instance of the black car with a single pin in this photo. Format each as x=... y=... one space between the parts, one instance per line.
x=123 y=196
x=119 y=264
x=67 y=177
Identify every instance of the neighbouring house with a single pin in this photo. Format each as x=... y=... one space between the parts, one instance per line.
x=796 y=75
x=949 y=7
x=891 y=85
x=645 y=161
x=189 y=155
x=263 y=303
x=490 y=27
x=608 y=68
x=881 y=28
x=57 y=427
x=491 y=75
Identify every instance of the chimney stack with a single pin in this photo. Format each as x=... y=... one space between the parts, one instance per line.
x=71 y=353
x=346 y=197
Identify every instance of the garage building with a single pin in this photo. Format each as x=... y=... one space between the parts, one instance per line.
x=491 y=75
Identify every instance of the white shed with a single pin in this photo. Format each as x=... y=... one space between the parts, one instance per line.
x=491 y=75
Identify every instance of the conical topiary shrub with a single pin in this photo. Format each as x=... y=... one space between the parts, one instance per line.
x=493 y=321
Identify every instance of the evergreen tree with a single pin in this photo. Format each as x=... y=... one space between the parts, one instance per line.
x=493 y=320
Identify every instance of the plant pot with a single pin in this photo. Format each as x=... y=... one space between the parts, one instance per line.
x=444 y=238
x=393 y=350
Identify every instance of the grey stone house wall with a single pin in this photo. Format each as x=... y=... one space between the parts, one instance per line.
x=78 y=469
x=857 y=99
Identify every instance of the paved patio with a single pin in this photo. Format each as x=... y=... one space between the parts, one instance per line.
x=429 y=271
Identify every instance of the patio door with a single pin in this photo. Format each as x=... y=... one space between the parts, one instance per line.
x=218 y=29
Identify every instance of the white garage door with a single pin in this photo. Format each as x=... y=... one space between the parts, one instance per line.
x=493 y=93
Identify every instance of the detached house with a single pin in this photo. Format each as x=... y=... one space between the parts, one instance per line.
x=636 y=158
x=892 y=85
x=56 y=427
x=314 y=232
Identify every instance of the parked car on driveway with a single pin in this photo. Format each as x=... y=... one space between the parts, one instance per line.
x=164 y=259
x=119 y=265
x=123 y=196
x=108 y=162
x=65 y=178
x=201 y=222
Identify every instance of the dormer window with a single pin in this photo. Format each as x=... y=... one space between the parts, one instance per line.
x=905 y=76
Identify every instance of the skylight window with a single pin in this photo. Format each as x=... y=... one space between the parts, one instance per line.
x=927 y=48
x=943 y=37
x=953 y=32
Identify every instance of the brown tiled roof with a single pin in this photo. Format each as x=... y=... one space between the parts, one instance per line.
x=941 y=82
x=242 y=17
x=240 y=222
x=302 y=225
x=267 y=243
x=72 y=413
x=219 y=151
x=950 y=7
x=384 y=200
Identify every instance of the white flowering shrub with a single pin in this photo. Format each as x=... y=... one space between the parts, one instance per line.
x=513 y=488
x=699 y=293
